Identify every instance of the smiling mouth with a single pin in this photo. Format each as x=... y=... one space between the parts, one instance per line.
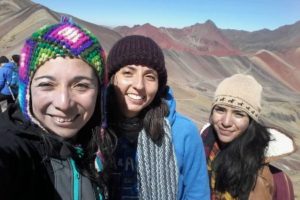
x=226 y=132
x=64 y=119
x=135 y=97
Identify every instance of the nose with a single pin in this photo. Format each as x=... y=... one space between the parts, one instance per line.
x=227 y=120
x=138 y=82
x=62 y=99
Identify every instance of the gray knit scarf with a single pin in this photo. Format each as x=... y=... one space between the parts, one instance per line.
x=157 y=167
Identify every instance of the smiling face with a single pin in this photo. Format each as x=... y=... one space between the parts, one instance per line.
x=229 y=122
x=135 y=87
x=63 y=95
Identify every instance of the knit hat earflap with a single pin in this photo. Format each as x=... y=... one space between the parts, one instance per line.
x=137 y=50
x=64 y=39
x=241 y=91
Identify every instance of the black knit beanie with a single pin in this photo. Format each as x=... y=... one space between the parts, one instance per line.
x=138 y=50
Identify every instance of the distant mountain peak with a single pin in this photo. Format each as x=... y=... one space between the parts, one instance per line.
x=198 y=39
x=147 y=24
x=210 y=22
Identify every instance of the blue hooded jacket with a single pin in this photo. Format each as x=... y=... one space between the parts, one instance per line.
x=193 y=178
x=5 y=77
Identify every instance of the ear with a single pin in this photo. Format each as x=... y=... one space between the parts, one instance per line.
x=210 y=118
x=112 y=80
x=211 y=114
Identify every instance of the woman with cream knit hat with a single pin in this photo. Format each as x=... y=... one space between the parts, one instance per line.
x=236 y=144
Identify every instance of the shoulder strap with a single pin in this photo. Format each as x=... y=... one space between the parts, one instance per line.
x=11 y=92
x=283 y=184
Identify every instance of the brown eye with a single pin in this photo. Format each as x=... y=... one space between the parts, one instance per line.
x=151 y=77
x=127 y=73
x=82 y=85
x=44 y=84
x=240 y=114
x=219 y=109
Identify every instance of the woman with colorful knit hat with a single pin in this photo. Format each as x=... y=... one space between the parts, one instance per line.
x=51 y=144
x=159 y=153
x=236 y=144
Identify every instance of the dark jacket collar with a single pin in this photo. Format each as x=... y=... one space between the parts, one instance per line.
x=12 y=120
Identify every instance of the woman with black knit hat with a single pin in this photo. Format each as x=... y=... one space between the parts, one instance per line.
x=236 y=144
x=51 y=143
x=159 y=152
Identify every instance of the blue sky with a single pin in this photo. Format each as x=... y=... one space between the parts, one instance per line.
x=249 y=15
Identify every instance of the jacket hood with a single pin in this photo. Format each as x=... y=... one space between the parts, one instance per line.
x=9 y=65
x=281 y=144
x=172 y=106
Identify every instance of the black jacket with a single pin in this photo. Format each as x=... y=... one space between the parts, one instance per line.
x=27 y=171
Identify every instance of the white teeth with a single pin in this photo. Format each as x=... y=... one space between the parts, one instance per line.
x=136 y=97
x=62 y=120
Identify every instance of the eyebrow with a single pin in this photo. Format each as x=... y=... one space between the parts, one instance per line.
x=76 y=78
x=42 y=77
x=135 y=68
x=239 y=111
x=151 y=71
x=235 y=110
x=219 y=106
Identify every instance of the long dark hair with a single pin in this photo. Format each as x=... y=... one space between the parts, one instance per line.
x=152 y=116
x=93 y=138
x=237 y=164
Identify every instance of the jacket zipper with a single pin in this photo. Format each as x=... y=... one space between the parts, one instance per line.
x=76 y=180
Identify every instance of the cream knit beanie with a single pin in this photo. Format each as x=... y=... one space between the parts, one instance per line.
x=241 y=91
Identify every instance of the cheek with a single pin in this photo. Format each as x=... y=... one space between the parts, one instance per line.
x=152 y=89
x=244 y=125
x=88 y=101
x=40 y=100
x=121 y=82
x=213 y=118
x=120 y=86
x=92 y=103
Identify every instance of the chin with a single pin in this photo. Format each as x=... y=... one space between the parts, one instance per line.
x=66 y=134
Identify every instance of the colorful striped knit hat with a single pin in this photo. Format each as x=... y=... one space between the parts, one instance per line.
x=64 y=39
